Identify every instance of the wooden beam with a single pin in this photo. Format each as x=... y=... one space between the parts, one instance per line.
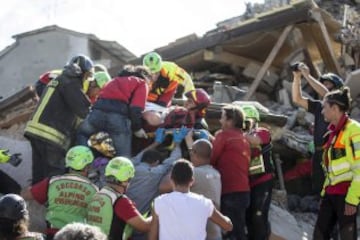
x=17 y=99
x=268 y=61
x=17 y=117
x=313 y=69
x=230 y=58
x=274 y=21
x=323 y=42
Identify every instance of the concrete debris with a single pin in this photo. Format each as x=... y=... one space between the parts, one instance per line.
x=352 y=81
x=228 y=76
x=303 y=204
x=284 y=225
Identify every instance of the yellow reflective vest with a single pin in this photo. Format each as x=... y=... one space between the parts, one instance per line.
x=344 y=161
x=176 y=73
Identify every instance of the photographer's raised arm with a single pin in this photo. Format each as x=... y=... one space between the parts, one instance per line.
x=319 y=88
x=297 y=96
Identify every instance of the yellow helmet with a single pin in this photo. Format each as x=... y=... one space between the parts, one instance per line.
x=78 y=157
x=121 y=168
x=4 y=156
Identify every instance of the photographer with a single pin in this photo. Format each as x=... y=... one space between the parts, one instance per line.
x=327 y=82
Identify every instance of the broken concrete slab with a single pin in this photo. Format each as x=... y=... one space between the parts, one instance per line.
x=252 y=69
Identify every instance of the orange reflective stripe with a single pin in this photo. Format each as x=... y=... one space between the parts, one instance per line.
x=172 y=86
x=152 y=97
x=338 y=143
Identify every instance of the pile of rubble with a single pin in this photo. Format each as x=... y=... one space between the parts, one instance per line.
x=15 y=111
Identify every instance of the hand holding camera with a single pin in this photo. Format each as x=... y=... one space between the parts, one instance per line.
x=299 y=67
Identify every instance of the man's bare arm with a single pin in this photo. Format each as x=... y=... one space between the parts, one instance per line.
x=319 y=88
x=223 y=221
x=297 y=96
x=140 y=223
x=154 y=229
x=26 y=194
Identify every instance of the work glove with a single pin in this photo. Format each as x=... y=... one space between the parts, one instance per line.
x=4 y=156
x=141 y=133
x=179 y=134
x=159 y=135
x=202 y=134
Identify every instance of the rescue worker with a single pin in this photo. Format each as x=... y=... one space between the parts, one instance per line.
x=53 y=123
x=44 y=79
x=110 y=209
x=95 y=86
x=341 y=189
x=327 y=82
x=91 y=86
x=7 y=184
x=167 y=78
x=261 y=174
x=66 y=196
x=14 y=219
x=118 y=109
x=197 y=102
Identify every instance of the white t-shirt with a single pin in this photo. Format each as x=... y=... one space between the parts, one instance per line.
x=183 y=216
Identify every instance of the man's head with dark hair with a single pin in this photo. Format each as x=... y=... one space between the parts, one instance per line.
x=151 y=156
x=340 y=97
x=235 y=113
x=182 y=173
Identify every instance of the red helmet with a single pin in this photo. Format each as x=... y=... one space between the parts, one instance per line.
x=200 y=98
x=178 y=117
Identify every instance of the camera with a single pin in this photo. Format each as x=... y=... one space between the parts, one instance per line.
x=295 y=66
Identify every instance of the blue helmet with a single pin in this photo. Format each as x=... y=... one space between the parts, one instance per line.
x=333 y=78
x=83 y=62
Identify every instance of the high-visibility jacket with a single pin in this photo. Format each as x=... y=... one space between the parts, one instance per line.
x=164 y=88
x=61 y=105
x=68 y=199
x=101 y=214
x=341 y=161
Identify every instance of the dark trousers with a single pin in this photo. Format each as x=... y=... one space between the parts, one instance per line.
x=47 y=160
x=234 y=206
x=332 y=212
x=317 y=174
x=258 y=212
x=8 y=185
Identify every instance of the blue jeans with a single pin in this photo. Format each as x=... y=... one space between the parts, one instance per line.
x=234 y=206
x=116 y=125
